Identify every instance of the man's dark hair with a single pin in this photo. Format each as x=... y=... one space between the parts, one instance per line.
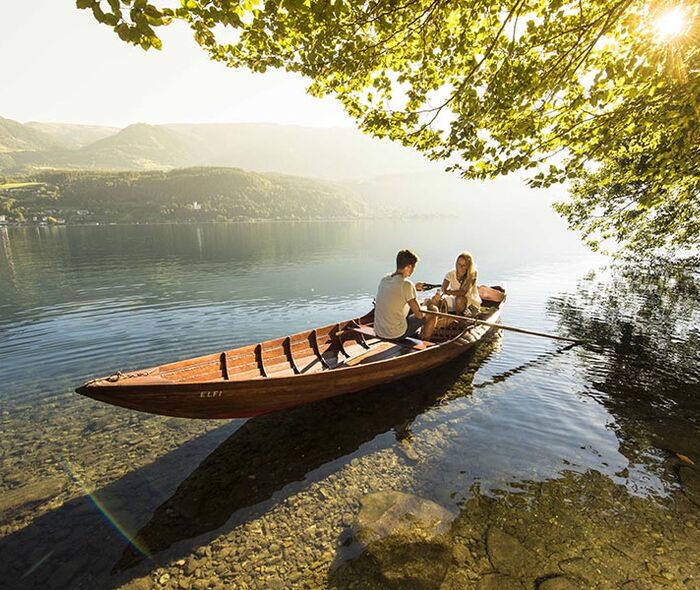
x=404 y=258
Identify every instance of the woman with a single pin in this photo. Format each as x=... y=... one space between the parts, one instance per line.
x=459 y=290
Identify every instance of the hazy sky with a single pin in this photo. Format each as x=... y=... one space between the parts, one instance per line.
x=58 y=64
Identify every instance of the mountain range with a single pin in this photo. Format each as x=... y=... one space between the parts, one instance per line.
x=384 y=174
x=329 y=153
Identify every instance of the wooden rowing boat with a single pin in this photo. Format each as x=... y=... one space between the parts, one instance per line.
x=277 y=374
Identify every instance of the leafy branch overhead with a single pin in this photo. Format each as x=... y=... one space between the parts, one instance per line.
x=594 y=92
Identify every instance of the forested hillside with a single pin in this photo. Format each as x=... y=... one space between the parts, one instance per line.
x=140 y=147
x=190 y=194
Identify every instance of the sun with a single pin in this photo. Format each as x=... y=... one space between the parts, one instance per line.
x=671 y=23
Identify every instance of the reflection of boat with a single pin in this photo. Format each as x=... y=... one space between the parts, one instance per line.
x=268 y=453
x=287 y=372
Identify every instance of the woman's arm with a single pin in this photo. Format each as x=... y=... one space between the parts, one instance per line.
x=463 y=292
x=455 y=292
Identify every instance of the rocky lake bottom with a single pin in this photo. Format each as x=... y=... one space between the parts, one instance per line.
x=281 y=502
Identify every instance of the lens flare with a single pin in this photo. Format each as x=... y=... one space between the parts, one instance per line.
x=671 y=23
x=109 y=517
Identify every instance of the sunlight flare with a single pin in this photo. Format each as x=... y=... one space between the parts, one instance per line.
x=671 y=23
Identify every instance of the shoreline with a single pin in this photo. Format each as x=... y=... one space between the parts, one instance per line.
x=239 y=221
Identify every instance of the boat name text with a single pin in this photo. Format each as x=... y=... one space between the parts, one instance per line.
x=215 y=393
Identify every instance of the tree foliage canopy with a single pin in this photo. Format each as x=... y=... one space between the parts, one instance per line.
x=587 y=91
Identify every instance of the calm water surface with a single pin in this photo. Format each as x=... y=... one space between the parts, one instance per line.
x=96 y=496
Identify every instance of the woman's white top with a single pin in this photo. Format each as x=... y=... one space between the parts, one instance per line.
x=454 y=285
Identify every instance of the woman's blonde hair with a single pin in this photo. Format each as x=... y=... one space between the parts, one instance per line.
x=470 y=275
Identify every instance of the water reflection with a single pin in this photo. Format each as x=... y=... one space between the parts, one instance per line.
x=7 y=254
x=62 y=263
x=646 y=325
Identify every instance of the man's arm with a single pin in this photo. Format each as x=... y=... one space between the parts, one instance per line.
x=415 y=308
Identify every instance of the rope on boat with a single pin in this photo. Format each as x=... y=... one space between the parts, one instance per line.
x=118 y=376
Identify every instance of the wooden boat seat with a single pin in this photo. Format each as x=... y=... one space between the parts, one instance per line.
x=380 y=351
x=414 y=343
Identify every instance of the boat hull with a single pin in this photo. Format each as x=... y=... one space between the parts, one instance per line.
x=217 y=399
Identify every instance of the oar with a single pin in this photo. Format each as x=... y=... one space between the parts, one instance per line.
x=429 y=286
x=501 y=326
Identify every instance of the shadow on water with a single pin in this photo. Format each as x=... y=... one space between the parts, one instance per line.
x=75 y=544
x=645 y=362
x=263 y=461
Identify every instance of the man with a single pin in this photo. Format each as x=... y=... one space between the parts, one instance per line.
x=396 y=295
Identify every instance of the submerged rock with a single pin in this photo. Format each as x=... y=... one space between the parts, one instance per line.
x=389 y=513
x=690 y=480
x=579 y=567
x=506 y=553
x=408 y=537
x=499 y=582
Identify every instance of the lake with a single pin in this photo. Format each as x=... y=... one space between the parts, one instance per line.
x=551 y=465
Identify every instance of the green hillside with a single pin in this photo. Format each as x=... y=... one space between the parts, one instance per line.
x=15 y=137
x=190 y=194
x=140 y=147
x=136 y=147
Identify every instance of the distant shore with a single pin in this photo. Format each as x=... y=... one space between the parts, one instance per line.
x=239 y=221
x=409 y=215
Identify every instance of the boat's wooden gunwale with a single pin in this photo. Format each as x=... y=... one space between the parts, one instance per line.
x=220 y=384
